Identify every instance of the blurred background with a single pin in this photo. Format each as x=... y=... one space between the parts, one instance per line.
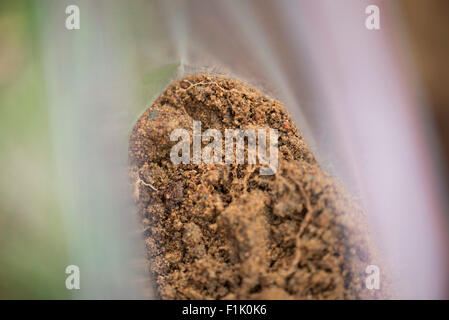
x=373 y=105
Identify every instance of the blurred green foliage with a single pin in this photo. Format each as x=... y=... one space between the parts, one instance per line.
x=32 y=242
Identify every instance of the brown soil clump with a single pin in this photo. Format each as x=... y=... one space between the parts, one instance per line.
x=218 y=231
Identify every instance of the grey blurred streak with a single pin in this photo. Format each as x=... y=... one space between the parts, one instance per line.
x=91 y=87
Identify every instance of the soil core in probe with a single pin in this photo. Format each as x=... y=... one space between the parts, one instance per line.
x=224 y=231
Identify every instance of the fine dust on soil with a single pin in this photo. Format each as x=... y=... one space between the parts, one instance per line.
x=222 y=231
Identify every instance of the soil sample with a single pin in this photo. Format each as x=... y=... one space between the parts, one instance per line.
x=226 y=231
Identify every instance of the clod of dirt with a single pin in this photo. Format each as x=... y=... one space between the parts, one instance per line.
x=220 y=231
